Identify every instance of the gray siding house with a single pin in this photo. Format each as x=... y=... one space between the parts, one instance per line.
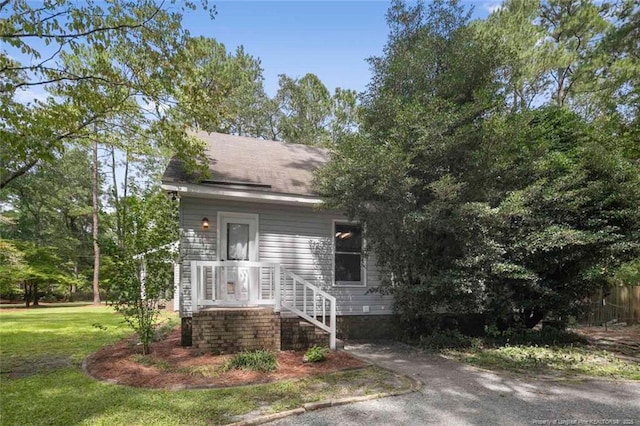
x=258 y=254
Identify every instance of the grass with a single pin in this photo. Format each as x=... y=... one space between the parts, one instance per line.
x=258 y=360
x=31 y=337
x=558 y=361
x=42 y=383
x=546 y=352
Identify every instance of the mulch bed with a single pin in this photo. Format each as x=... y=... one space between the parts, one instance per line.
x=171 y=366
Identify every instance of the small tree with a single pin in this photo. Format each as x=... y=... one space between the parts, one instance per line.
x=143 y=269
x=140 y=292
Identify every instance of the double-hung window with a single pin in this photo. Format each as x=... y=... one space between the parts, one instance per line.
x=348 y=258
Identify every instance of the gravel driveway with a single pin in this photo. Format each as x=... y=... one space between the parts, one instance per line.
x=456 y=394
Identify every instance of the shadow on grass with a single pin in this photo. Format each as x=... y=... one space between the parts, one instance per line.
x=88 y=401
x=45 y=305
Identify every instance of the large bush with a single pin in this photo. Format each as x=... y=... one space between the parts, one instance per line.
x=471 y=207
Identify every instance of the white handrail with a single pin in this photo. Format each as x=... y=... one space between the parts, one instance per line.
x=324 y=298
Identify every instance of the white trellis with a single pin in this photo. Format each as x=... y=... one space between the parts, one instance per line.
x=173 y=248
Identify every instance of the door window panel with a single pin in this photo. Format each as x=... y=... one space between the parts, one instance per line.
x=237 y=241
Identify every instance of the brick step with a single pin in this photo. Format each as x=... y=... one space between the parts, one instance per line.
x=297 y=334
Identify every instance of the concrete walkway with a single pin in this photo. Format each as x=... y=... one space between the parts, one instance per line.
x=457 y=394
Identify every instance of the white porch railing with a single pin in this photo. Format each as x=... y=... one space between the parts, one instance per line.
x=242 y=283
x=233 y=283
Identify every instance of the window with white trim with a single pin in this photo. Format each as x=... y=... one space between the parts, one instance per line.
x=348 y=259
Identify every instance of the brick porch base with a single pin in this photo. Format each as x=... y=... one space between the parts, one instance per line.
x=231 y=330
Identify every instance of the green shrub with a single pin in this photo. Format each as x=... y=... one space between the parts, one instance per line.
x=315 y=354
x=258 y=360
x=446 y=339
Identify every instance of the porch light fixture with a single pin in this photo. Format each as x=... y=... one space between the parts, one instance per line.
x=205 y=223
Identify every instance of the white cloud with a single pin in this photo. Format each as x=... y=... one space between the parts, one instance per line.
x=492 y=6
x=29 y=95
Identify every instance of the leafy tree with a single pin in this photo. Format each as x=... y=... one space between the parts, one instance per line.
x=344 y=114
x=419 y=156
x=549 y=50
x=31 y=267
x=11 y=264
x=248 y=107
x=514 y=36
x=302 y=111
x=615 y=73
x=97 y=62
x=307 y=112
x=124 y=76
x=623 y=75
x=564 y=232
x=51 y=206
x=571 y=28
x=230 y=81
x=305 y=105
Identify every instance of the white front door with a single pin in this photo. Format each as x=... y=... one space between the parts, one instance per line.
x=238 y=243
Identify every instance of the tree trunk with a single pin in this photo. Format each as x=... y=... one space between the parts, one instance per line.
x=27 y=295
x=96 y=246
x=532 y=317
x=35 y=295
x=560 y=92
x=72 y=287
x=116 y=197
x=125 y=191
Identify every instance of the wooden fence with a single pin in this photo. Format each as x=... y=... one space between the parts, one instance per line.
x=621 y=304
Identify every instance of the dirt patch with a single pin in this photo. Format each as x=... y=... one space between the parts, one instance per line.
x=32 y=366
x=620 y=339
x=624 y=334
x=171 y=366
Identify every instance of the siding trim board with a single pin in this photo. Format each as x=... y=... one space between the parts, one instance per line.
x=213 y=192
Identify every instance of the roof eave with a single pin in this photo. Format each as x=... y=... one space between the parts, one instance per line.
x=201 y=191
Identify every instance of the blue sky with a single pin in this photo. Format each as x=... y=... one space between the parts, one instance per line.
x=328 y=38
x=331 y=39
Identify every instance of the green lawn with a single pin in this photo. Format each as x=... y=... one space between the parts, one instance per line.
x=34 y=338
x=42 y=350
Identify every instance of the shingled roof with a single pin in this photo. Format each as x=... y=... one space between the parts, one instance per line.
x=262 y=165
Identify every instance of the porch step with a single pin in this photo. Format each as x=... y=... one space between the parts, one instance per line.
x=297 y=334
